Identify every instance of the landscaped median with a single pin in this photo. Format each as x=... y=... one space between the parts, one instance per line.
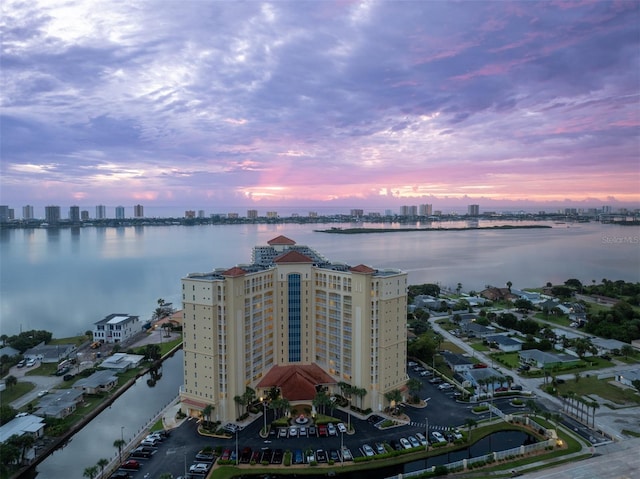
x=564 y=445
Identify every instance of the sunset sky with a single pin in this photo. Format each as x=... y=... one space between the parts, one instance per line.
x=370 y=104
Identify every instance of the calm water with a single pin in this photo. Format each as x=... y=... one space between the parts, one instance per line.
x=65 y=280
x=132 y=410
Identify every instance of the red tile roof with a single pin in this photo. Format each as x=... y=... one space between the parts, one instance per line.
x=193 y=402
x=296 y=382
x=293 y=257
x=281 y=240
x=361 y=268
x=234 y=272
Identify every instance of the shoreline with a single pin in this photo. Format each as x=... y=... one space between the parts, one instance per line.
x=60 y=441
x=351 y=231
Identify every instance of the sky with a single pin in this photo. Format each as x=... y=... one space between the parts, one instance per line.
x=367 y=104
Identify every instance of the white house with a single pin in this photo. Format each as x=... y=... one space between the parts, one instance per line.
x=116 y=327
x=22 y=424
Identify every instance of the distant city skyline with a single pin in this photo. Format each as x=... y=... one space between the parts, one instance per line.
x=373 y=105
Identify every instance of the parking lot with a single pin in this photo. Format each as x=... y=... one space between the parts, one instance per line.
x=177 y=453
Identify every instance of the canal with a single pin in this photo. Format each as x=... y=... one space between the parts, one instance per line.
x=124 y=418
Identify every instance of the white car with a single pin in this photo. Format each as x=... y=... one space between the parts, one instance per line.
x=405 y=443
x=31 y=362
x=293 y=431
x=331 y=429
x=368 y=450
x=342 y=427
x=199 y=468
x=346 y=454
x=43 y=393
x=421 y=438
x=445 y=386
x=414 y=442
x=437 y=437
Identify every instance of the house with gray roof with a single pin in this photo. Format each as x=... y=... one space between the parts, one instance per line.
x=59 y=403
x=98 y=382
x=543 y=359
x=9 y=351
x=479 y=375
x=50 y=353
x=627 y=377
x=22 y=424
x=504 y=343
x=457 y=362
x=116 y=327
x=470 y=327
x=122 y=361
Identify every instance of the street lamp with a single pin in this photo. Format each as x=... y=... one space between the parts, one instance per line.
x=342 y=447
x=426 y=432
x=264 y=413
x=236 y=447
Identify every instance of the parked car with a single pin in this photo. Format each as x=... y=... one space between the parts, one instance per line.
x=426 y=374
x=293 y=431
x=141 y=452
x=68 y=377
x=282 y=432
x=516 y=387
x=130 y=464
x=44 y=392
x=149 y=442
x=380 y=448
x=303 y=431
x=435 y=380
x=334 y=456
x=457 y=434
x=421 y=437
x=120 y=475
x=199 y=468
x=413 y=441
x=21 y=363
x=313 y=431
x=311 y=457
x=322 y=431
x=445 y=386
x=346 y=454
x=31 y=362
x=480 y=366
x=412 y=363
x=298 y=458
x=331 y=429
x=321 y=456
x=368 y=450
x=207 y=456
x=404 y=442
x=341 y=427
x=437 y=437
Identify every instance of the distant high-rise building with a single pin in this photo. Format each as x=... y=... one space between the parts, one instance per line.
x=27 y=212
x=190 y=214
x=606 y=209
x=425 y=210
x=313 y=214
x=200 y=213
x=388 y=212
x=138 y=211
x=52 y=214
x=358 y=213
x=409 y=210
x=4 y=213
x=101 y=212
x=119 y=212
x=84 y=215
x=252 y=214
x=233 y=215
x=272 y=214
x=74 y=214
x=473 y=210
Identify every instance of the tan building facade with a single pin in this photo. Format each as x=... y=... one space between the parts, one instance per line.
x=291 y=307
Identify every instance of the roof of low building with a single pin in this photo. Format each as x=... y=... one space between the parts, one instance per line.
x=21 y=425
x=97 y=379
x=281 y=240
x=292 y=257
x=296 y=382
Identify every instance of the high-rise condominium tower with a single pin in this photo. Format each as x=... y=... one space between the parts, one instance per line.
x=295 y=321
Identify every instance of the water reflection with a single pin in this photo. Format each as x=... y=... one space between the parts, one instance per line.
x=124 y=418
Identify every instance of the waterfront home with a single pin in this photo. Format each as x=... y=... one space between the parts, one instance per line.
x=59 y=403
x=116 y=327
x=121 y=361
x=22 y=424
x=628 y=377
x=98 y=382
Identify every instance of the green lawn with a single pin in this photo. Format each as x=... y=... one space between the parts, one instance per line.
x=44 y=369
x=11 y=394
x=77 y=340
x=601 y=387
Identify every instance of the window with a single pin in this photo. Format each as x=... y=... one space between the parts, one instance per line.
x=294 y=292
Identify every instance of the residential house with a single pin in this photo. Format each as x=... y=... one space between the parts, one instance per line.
x=627 y=377
x=504 y=343
x=607 y=346
x=22 y=424
x=473 y=329
x=98 y=382
x=456 y=362
x=50 y=353
x=9 y=351
x=498 y=294
x=122 y=361
x=544 y=360
x=487 y=379
x=59 y=403
x=116 y=327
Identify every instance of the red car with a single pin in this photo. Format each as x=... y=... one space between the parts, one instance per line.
x=322 y=431
x=130 y=464
x=501 y=390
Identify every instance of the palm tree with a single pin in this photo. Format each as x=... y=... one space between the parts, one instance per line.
x=414 y=385
x=119 y=444
x=90 y=472
x=509 y=284
x=206 y=412
x=102 y=463
x=239 y=401
x=11 y=381
x=470 y=423
x=458 y=288
x=249 y=396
